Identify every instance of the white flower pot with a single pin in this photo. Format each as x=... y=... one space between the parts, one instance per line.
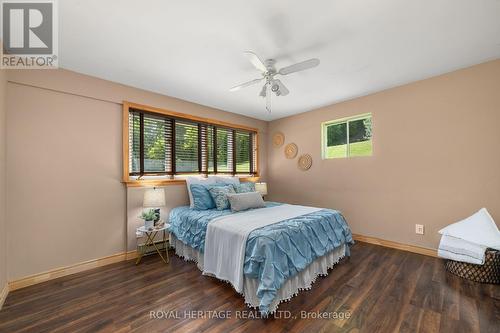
x=148 y=224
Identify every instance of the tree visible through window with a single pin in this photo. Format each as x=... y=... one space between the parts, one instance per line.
x=349 y=137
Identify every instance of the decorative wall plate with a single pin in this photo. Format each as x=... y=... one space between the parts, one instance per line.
x=291 y=150
x=278 y=139
x=305 y=162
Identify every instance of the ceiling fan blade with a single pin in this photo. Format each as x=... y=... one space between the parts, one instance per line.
x=246 y=84
x=283 y=91
x=255 y=60
x=300 y=66
x=268 y=98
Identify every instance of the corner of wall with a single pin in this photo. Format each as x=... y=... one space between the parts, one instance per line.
x=3 y=228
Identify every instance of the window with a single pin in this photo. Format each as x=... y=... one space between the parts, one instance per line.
x=224 y=150
x=347 y=137
x=186 y=147
x=167 y=144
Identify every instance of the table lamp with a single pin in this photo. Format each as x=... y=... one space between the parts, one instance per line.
x=261 y=188
x=154 y=198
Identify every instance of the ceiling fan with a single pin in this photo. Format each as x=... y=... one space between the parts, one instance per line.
x=268 y=71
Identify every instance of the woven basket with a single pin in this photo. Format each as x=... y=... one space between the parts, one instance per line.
x=487 y=273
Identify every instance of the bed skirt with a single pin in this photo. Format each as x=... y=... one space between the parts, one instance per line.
x=301 y=281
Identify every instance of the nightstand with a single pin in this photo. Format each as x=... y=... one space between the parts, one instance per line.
x=150 y=242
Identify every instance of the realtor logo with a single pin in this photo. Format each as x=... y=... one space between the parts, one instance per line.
x=29 y=34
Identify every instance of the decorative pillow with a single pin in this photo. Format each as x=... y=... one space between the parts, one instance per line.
x=219 y=195
x=244 y=201
x=202 y=200
x=227 y=180
x=197 y=180
x=244 y=187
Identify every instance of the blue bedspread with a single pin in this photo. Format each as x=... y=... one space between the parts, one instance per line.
x=275 y=252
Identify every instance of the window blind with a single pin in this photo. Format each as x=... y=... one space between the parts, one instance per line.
x=244 y=152
x=207 y=148
x=186 y=147
x=225 y=152
x=157 y=150
x=253 y=164
x=164 y=145
x=134 y=141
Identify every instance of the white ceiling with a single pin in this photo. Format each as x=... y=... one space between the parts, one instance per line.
x=193 y=50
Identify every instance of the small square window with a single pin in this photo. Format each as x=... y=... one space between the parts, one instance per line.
x=347 y=137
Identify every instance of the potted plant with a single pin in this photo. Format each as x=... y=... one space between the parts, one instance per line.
x=149 y=216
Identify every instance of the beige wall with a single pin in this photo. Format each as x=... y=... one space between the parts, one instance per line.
x=65 y=201
x=435 y=161
x=3 y=236
x=436 y=157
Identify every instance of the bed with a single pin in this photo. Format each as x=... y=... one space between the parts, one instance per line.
x=285 y=248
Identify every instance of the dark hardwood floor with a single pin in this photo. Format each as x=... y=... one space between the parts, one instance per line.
x=383 y=290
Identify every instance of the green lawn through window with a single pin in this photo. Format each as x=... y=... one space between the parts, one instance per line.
x=363 y=148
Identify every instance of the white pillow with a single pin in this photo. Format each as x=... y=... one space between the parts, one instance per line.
x=478 y=228
x=227 y=180
x=197 y=180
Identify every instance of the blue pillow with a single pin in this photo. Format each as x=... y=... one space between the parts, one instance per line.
x=244 y=187
x=219 y=195
x=202 y=200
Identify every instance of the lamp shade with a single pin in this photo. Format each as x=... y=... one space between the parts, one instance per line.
x=154 y=198
x=261 y=188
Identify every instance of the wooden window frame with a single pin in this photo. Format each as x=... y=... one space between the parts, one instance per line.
x=163 y=182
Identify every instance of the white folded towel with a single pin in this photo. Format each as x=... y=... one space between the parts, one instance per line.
x=467 y=240
x=460 y=250
x=478 y=228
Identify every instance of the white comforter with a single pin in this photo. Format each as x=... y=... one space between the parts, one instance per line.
x=226 y=239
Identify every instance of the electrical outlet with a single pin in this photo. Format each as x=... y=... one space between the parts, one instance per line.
x=419 y=229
